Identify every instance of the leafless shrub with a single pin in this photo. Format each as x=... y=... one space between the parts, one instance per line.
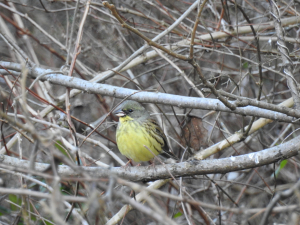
x=221 y=77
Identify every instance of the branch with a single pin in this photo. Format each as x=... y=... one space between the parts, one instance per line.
x=39 y=194
x=183 y=169
x=288 y=63
x=148 y=97
x=112 y=8
x=190 y=59
x=244 y=101
x=281 y=195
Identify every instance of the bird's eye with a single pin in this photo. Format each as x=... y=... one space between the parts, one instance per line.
x=130 y=110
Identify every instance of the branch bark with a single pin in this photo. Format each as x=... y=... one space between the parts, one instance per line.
x=148 y=97
x=183 y=169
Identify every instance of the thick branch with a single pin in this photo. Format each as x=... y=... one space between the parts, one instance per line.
x=148 y=97
x=261 y=158
x=244 y=101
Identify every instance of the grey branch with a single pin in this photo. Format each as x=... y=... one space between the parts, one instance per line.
x=183 y=169
x=147 y=97
x=288 y=63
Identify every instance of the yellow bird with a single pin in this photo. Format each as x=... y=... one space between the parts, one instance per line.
x=136 y=130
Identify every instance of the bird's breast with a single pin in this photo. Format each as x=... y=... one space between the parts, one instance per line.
x=132 y=136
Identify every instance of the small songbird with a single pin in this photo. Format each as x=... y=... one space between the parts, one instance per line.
x=136 y=130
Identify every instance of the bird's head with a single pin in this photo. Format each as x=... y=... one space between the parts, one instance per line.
x=131 y=110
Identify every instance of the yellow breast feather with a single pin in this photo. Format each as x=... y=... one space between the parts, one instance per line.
x=133 y=135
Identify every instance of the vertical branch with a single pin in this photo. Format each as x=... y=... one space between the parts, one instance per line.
x=69 y=44
x=195 y=28
x=259 y=63
x=287 y=62
x=75 y=54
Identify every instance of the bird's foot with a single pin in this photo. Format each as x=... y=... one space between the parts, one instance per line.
x=152 y=164
x=126 y=166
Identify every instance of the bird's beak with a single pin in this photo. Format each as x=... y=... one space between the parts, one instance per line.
x=119 y=113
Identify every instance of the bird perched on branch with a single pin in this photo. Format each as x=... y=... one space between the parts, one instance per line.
x=139 y=137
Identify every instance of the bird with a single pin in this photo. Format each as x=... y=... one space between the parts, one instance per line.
x=137 y=134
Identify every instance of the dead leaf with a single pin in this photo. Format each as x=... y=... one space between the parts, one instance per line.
x=195 y=133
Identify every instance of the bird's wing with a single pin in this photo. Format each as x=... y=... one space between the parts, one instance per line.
x=166 y=150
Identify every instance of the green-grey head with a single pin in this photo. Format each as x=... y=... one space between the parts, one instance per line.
x=132 y=109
